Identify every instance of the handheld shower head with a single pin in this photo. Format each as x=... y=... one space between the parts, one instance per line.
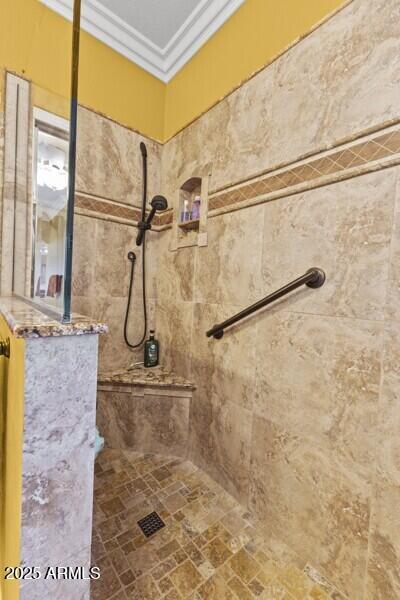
x=159 y=203
x=143 y=149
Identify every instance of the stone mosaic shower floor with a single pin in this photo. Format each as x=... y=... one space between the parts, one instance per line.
x=210 y=548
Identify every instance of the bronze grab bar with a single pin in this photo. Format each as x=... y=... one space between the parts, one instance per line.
x=313 y=278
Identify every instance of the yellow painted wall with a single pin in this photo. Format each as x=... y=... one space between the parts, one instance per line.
x=35 y=42
x=255 y=34
x=11 y=427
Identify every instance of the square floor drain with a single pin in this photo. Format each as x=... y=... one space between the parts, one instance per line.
x=150 y=524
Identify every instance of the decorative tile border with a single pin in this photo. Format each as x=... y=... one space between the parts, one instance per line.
x=372 y=152
x=164 y=221
x=349 y=160
x=106 y=207
x=113 y=211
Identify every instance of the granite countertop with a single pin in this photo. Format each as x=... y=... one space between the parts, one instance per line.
x=145 y=377
x=27 y=321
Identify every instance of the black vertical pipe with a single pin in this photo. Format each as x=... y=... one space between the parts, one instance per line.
x=76 y=29
x=143 y=150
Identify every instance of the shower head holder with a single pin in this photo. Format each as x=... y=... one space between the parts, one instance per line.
x=144 y=225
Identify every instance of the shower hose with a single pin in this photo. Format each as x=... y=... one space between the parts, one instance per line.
x=132 y=258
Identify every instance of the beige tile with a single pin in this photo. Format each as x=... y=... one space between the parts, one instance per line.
x=318 y=593
x=240 y=589
x=203 y=349
x=142 y=561
x=215 y=589
x=388 y=450
x=116 y=419
x=178 y=565
x=206 y=570
x=113 y=352
x=233 y=522
x=174 y=502
x=307 y=100
x=166 y=585
x=141 y=588
x=127 y=577
x=109 y=161
x=194 y=554
x=221 y=443
x=112 y=268
x=168 y=549
x=320 y=581
x=186 y=577
x=162 y=424
x=234 y=360
x=296 y=582
x=180 y=556
x=347 y=87
x=216 y=552
x=218 y=529
x=319 y=377
x=85 y=235
x=174 y=331
x=175 y=273
x=316 y=434
x=310 y=503
x=163 y=568
x=338 y=93
x=383 y=580
x=173 y=595
x=256 y=587
x=244 y=566
x=348 y=237
x=274 y=591
x=144 y=423
x=393 y=296
x=106 y=586
x=227 y=270
x=299 y=117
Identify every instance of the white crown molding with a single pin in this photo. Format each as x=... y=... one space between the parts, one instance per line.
x=201 y=24
x=163 y=63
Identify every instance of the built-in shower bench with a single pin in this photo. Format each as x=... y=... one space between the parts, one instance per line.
x=144 y=409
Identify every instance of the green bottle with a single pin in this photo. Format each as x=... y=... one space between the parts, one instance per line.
x=151 y=351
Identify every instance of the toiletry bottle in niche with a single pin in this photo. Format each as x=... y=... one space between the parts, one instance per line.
x=151 y=351
x=186 y=214
x=196 y=208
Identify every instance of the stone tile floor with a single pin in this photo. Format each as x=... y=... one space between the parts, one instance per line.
x=210 y=548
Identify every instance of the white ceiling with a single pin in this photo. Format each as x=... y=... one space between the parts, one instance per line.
x=158 y=35
x=158 y=20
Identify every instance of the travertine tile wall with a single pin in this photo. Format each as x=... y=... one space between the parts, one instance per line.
x=15 y=196
x=109 y=173
x=110 y=167
x=297 y=409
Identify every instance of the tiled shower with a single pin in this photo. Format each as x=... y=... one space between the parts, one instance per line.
x=294 y=412
x=266 y=461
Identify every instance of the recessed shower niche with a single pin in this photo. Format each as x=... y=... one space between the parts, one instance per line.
x=191 y=217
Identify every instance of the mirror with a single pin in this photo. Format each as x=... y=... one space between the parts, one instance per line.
x=49 y=199
x=35 y=194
